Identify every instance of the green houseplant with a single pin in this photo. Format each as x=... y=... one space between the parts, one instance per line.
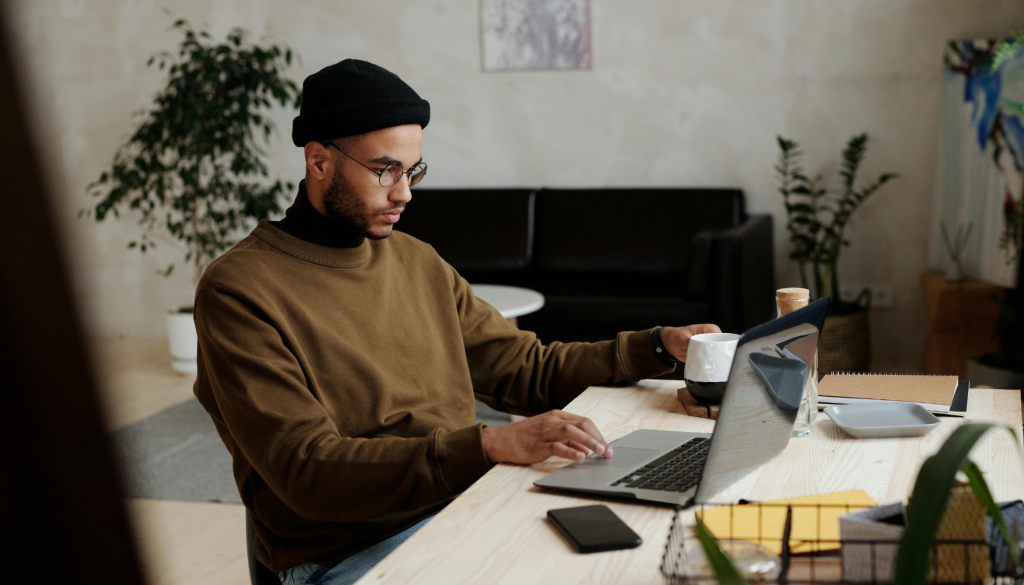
x=817 y=218
x=192 y=173
x=1005 y=368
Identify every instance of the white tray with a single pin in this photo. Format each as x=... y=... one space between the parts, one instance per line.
x=882 y=419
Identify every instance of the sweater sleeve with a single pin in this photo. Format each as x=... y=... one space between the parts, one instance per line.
x=513 y=371
x=260 y=394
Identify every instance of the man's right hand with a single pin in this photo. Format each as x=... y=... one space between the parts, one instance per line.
x=535 y=439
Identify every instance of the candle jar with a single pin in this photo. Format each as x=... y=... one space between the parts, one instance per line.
x=788 y=300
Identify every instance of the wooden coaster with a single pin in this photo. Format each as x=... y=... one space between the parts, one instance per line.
x=694 y=408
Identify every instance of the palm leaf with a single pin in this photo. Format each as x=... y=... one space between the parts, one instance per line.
x=928 y=503
x=980 y=487
x=853 y=155
x=725 y=572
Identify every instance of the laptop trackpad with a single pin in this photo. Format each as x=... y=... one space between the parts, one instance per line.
x=596 y=471
x=621 y=457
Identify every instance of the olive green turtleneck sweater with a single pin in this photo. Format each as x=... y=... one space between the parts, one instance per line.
x=343 y=380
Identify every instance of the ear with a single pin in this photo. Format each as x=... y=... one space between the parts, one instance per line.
x=318 y=162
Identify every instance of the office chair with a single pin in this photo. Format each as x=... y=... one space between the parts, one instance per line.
x=258 y=573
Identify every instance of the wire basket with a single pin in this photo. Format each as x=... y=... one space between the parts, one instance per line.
x=806 y=550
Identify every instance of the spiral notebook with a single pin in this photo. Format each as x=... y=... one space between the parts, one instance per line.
x=938 y=394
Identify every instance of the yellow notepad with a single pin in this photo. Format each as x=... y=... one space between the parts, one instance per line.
x=810 y=524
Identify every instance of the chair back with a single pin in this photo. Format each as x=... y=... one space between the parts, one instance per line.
x=258 y=573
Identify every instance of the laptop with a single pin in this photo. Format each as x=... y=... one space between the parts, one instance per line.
x=755 y=422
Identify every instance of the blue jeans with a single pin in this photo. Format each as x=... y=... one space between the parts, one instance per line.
x=347 y=571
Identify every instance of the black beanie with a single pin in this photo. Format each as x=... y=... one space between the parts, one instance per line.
x=355 y=97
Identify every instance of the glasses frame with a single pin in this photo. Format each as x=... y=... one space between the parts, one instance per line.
x=420 y=169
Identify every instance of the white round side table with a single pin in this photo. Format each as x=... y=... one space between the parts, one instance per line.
x=511 y=301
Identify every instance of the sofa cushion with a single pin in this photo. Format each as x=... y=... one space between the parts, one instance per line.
x=579 y=318
x=627 y=230
x=609 y=283
x=474 y=230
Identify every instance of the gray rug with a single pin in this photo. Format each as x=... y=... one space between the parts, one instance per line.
x=177 y=454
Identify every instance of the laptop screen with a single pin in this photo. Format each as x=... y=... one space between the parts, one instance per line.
x=769 y=373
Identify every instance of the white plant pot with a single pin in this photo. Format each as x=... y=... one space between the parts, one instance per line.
x=981 y=374
x=183 y=342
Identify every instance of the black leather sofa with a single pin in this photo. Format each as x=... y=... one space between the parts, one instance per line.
x=607 y=260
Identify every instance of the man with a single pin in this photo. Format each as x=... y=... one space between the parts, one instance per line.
x=340 y=361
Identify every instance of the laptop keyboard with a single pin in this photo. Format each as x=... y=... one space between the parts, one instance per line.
x=675 y=471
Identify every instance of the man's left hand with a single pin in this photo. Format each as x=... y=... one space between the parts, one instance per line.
x=677 y=339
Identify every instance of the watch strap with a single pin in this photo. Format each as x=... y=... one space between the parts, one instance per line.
x=659 y=348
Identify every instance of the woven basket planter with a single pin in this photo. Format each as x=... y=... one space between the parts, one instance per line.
x=844 y=345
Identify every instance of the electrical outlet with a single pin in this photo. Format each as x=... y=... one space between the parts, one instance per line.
x=881 y=296
x=849 y=292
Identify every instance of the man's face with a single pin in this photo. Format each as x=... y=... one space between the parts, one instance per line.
x=355 y=195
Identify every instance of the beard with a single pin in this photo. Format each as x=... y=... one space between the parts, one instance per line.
x=344 y=206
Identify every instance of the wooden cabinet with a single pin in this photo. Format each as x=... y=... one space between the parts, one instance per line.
x=960 y=318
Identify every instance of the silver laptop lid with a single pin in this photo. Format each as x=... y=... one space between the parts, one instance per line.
x=769 y=372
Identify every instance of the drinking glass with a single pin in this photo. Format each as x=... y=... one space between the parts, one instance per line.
x=808 y=410
x=788 y=300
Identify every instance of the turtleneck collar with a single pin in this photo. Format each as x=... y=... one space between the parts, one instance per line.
x=303 y=221
x=351 y=257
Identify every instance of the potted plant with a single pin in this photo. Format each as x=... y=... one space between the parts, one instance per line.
x=816 y=221
x=192 y=173
x=1005 y=368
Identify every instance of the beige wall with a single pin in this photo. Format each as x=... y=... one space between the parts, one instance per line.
x=682 y=93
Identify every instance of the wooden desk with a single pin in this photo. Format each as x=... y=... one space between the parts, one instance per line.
x=496 y=532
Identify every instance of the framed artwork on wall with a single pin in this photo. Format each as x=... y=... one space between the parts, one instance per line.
x=536 y=34
x=981 y=160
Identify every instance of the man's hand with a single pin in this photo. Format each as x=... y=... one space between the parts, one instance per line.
x=535 y=439
x=677 y=339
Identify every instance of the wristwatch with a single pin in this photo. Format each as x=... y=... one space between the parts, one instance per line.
x=659 y=348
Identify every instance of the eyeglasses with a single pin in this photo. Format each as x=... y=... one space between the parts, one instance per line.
x=392 y=173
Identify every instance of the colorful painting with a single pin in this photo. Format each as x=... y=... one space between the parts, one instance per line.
x=981 y=164
x=536 y=34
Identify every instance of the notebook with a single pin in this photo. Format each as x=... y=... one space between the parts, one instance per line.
x=814 y=529
x=940 y=394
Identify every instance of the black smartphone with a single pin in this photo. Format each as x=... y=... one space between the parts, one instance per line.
x=593 y=529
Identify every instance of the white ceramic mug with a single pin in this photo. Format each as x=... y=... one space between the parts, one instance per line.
x=708 y=361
